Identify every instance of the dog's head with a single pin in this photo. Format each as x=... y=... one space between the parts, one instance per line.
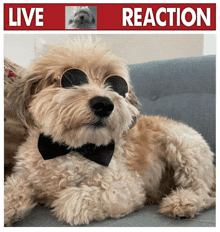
x=82 y=18
x=77 y=93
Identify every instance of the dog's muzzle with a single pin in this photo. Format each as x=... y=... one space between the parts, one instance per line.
x=101 y=106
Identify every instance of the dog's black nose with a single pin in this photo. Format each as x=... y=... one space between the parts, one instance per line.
x=82 y=17
x=101 y=106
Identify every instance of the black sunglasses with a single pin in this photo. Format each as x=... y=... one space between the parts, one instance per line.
x=76 y=77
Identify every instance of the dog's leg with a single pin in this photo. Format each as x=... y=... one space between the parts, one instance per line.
x=18 y=199
x=76 y=205
x=194 y=175
x=81 y=205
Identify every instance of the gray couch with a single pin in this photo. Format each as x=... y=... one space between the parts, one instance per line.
x=181 y=89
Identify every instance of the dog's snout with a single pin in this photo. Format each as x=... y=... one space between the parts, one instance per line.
x=101 y=106
x=82 y=17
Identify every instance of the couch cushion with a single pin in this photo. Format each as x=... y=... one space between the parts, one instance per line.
x=14 y=131
x=145 y=217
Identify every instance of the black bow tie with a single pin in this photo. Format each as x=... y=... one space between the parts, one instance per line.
x=101 y=155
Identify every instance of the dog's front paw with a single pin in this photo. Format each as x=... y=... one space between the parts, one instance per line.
x=74 y=206
x=7 y=222
x=9 y=215
x=182 y=203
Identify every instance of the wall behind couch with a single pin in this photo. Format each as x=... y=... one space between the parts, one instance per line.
x=134 y=48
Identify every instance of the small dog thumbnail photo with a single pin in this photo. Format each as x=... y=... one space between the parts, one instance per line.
x=81 y=17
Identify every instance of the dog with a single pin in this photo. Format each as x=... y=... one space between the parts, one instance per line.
x=82 y=18
x=90 y=154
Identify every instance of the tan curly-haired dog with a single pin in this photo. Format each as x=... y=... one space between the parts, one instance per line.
x=90 y=154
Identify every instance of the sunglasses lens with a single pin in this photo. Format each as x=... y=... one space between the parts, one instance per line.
x=118 y=84
x=73 y=77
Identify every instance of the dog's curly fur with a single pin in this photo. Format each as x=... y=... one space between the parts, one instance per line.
x=156 y=160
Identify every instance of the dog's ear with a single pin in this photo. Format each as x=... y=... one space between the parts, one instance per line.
x=93 y=20
x=21 y=94
x=134 y=101
x=70 y=21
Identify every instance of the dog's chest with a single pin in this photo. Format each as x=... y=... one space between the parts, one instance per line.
x=50 y=177
x=79 y=170
x=63 y=172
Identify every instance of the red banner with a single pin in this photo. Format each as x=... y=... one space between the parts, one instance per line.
x=114 y=16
